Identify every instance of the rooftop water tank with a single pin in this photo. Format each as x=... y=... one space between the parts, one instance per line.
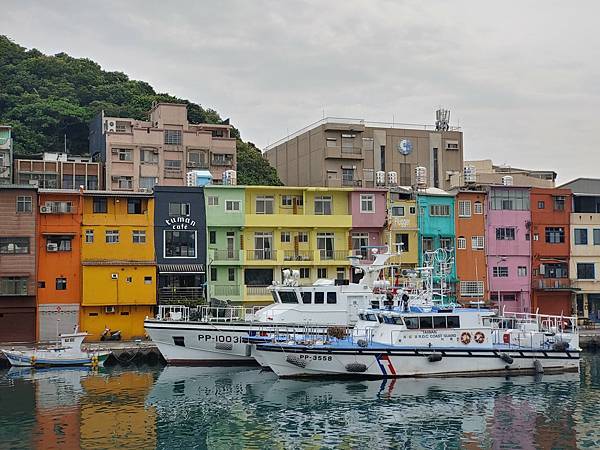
x=470 y=174
x=421 y=176
x=198 y=178
x=507 y=180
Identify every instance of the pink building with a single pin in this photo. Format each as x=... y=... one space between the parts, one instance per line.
x=508 y=247
x=368 y=208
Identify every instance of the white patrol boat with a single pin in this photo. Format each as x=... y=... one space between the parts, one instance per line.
x=211 y=335
x=431 y=342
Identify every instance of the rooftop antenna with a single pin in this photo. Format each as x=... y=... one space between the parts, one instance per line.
x=442 y=119
x=65 y=140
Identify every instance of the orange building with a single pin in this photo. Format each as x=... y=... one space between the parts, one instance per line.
x=550 y=249
x=471 y=267
x=59 y=264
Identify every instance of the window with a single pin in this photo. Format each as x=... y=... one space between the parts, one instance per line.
x=89 y=236
x=397 y=211
x=367 y=203
x=286 y=236
x=505 y=234
x=322 y=272
x=147 y=182
x=509 y=199
x=323 y=205
x=522 y=271
x=446 y=242
x=581 y=236
x=319 y=298
x=13 y=285
x=125 y=182
x=367 y=143
x=427 y=244
x=112 y=236
x=139 y=236
x=596 y=236
x=471 y=288
x=222 y=159
x=197 y=159
x=439 y=210
x=554 y=270
x=231 y=274
x=149 y=155
x=173 y=137
x=340 y=273
x=61 y=284
x=179 y=209
x=359 y=243
x=402 y=238
x=559 y=203
x=585 y=271
x=134 y=206
x=500 y=272
x=453 y=321
x=478 y=208
x=24 y=204
x=180 y=244
x=287 y=201
x=232 y=205
x=331 y=298
x=541 y=204
x=426 y=323
x=461 y=243
x=125 y=154
x=306 y=298
x=325 y=245
x=100 y=205
x=212 y=200
x=14 y=245
x=331 y=142
x=304 y=272
x=60 y=243
x=213 y=274
x=555 y=235
x=172 y=164
x=477 y=242
x=412 y=210
x=264 y=204
x=348 y=141
x=212 y=237
x=464 y=208
x=303 y=237
x=347 y=177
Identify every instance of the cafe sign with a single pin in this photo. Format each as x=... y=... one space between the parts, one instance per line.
x=180 y=223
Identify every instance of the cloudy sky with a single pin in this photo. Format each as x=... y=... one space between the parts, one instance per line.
x=521 y=77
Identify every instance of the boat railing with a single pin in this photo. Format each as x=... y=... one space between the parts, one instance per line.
x=206 y=313
x=540 y=322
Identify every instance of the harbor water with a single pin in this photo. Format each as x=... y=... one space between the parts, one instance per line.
x=246 y=408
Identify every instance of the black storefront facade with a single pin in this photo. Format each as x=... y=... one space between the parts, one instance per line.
x=180 y=243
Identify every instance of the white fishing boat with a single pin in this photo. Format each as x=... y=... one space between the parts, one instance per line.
x=432 y=342
x=216 y=335
x=68 y=352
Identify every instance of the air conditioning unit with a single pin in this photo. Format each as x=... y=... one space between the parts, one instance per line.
x=109 y=309
x=114 y=151
x=45 y=209
x=115 y=178
x=51 y=247
x=114 y=276
x=143 y=189
x=111 y=125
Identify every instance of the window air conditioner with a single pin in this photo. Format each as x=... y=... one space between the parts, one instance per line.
x=114 y=276
x=51 y=247
x=109 y=309
x=45 y=209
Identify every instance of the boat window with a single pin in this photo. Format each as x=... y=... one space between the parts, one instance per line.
x=371 y=317
x=319 y=298
x=179 y=341
x=288 y=297
x=439 y=321
x=274 y=294
x=453 y=322
x=361 y=316
x=425 y=322
x=412 y=323
x=387 y=319
x=331 y=298
x=307 y=297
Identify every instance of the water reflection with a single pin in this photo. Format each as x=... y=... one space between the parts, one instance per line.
x=179 y=407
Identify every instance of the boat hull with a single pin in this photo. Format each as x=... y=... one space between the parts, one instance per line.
x=34 y=359
x=381 y=363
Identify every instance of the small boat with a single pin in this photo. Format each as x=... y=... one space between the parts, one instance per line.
x=66 y=353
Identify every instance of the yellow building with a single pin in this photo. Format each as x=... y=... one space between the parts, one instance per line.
x=403 y=227
x=118 y=264
x=294 y=228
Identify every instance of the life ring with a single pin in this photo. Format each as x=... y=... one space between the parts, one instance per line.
x=479 y=337
x=465 y=337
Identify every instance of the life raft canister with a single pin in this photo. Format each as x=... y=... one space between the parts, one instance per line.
x=465 y=337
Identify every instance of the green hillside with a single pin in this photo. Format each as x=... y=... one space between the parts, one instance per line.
x=47 y=97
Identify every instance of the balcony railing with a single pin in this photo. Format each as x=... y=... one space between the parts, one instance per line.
x=173 y=173
x=300 y=255
x=222 y=162
x=225 y=290
x=552 y=283
x=198 y=165
x=261 y=254
x=257 y=290
x=334 y=255
x=173 y=294
x=352 y=150
x=226 y=255
x=352 y=183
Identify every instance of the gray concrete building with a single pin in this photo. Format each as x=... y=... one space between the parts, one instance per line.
x=339 y=152
x=6 y=155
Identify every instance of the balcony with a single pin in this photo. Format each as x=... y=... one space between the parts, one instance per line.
x=334 y=255
x=197 y=165
x=224 y=290
x=177 y=294
x=553 y=284
x=298 y=256
x=173 y=173
x=261 y=255
x=226 y=255
x=222 y=160
x=343 y=152
x=351 y=150
x=257 y=291
x=351 y=183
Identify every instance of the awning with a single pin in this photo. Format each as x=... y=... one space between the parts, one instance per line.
x=181 y=268
x=52 y=233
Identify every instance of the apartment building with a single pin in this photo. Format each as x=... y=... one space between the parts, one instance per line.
x=118 y=264
x=485 y=172
x=402 y=231
x=471 y=267
x=59 y=171
x=59 y=262
x=18 y=213
x=369 y=213
x=336 y=152
x=180 y=243
x=140 y=154
x=584 y=264
x=508 y=247
x=225 y=221
x=6 y=155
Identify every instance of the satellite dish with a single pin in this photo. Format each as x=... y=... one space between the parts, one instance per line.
x=405 y=147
